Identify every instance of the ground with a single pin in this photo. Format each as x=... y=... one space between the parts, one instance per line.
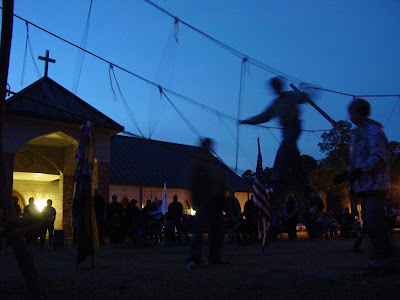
x=321 y=269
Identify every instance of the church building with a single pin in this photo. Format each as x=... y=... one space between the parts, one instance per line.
x=41 y=130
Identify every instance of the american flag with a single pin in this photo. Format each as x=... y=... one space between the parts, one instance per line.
x=260 y=199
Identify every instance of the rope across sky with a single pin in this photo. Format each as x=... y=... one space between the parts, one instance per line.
x=183 y=97
x=255 y=62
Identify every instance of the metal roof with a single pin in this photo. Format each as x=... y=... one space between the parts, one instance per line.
x=142 y=162
x=46 y=99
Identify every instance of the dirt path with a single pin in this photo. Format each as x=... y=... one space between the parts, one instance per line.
x=323 y=269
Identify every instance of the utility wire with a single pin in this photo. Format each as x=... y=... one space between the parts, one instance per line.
x=352 y=95
x=127 y=107
x=28 y=44
x=391 y=113
x=241 y=88
x=230 y=49
x=205 y=107
x=81 y=55
x=188 y=123
x=186 y=120
x=252 y=60
x=78 y=116
x=232 y=135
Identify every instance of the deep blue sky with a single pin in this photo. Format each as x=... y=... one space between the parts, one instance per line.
x=347 y=45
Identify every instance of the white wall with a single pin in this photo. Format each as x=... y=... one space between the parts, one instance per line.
x=41 y=191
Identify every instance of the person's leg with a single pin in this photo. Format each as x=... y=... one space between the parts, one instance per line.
x=50 y=228
x=196 y=243
x=74 y=235
x=43 y=233
x=215 y=238
x=374 y=225
x=288 y=165
x=284 y=157
x=99 y=222
x=290 y=228
x=178 y=228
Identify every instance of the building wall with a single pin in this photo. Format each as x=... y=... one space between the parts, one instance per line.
x=243 y=197
x=41 y=191
x=16 y=134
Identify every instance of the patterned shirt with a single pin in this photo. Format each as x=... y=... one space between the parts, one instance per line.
x=369 y=151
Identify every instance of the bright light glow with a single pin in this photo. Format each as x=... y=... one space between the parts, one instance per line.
x=192 y=212
x=40 y=204
x=35 y=176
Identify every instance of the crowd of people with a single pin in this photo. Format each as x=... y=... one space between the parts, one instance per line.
x=124 y=222
x=41 y=223
x=367 y=176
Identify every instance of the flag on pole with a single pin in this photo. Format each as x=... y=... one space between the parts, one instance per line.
x=83 y=207
x=164 y=207
x=261 y=201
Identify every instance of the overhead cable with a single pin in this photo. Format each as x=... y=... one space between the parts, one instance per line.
x=127 y=107
x=141 y=77
x=28 y=44
x=391 y=113
x=230 y=49
x=251 y=60
x=81 y=55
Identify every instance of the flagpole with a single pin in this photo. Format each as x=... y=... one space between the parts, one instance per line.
x=262 y=241
x=324 y=114
x=262 y=245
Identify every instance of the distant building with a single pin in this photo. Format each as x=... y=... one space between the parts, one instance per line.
x=41 y=134
x=139 y=168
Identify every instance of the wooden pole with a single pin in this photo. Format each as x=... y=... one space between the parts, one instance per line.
x=324 y=114
x=15 y=234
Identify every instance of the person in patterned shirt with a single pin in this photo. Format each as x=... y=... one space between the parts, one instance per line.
x=368 y=178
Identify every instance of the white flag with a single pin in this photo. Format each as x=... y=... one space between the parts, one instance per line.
x=164 y=207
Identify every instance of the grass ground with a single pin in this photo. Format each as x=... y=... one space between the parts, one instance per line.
x=300 y=269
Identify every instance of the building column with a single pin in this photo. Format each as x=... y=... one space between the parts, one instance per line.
x=104 y=180
x=68 y=198
x=8 y=159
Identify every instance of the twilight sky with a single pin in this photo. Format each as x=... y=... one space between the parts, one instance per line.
x=345 y=45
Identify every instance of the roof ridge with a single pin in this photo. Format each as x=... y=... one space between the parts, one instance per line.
x=24 y=90
x=144 y=162
x=50 y=86
x=81 y=101
x=155 y=141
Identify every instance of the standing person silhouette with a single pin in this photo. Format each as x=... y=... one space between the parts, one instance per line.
x=369 y=179
x=288 y=166
x=208 y=185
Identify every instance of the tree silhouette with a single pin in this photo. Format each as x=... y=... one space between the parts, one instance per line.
x=336 y=143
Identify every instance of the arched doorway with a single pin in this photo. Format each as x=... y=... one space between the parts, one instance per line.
x=40 y=167
x=21 y=199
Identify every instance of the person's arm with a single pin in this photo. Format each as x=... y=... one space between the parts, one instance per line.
x=302 y=98
x=285 y=211
x=265 y=116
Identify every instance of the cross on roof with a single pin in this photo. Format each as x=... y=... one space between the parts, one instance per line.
x=47 y=59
